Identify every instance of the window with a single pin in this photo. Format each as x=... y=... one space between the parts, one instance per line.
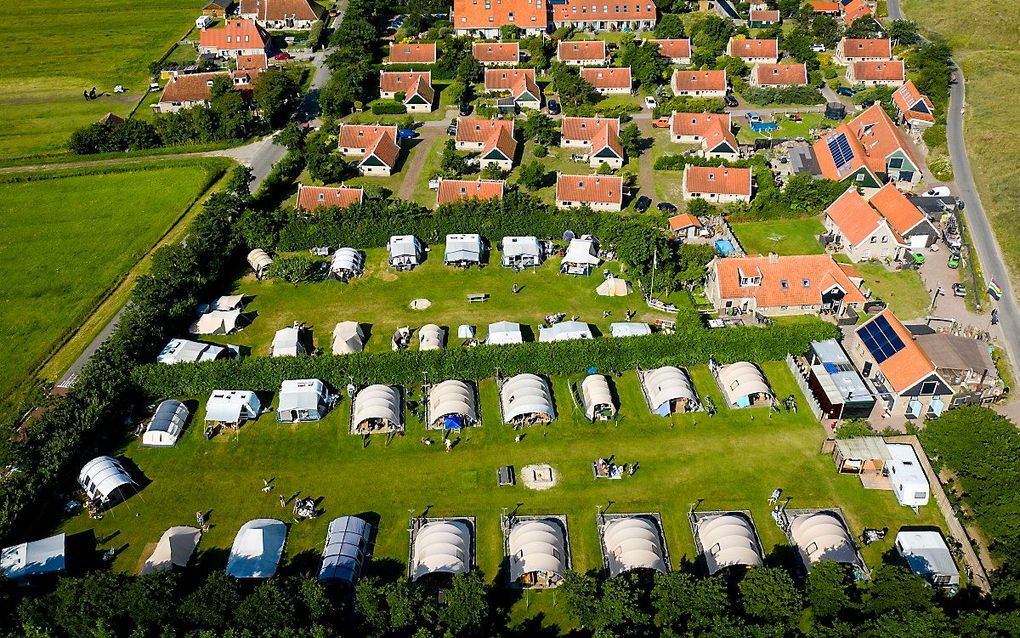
x=860 y=177
x=928 y=387
x=806 y=283
x=885 y=239
x=896 y=162
x=784 y=284
x=874 y=239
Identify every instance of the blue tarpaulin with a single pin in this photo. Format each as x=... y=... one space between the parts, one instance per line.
x=760 y=127
x=724 y=247
x=453 y=422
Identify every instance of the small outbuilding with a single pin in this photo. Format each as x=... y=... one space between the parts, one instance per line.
x=232 y=407
x=527 y=399
x=377 y=410
x=521 y=252
x=861 y=455
x=597 y=398
x=406 y=252
x=564 y=331
x=907 y=476
x=668 y=390
x=726 y=540
x=260 y=261
x=346 y=551
x=927 y=555
x=452 y=405
x=633 y=542
x=538 y=553
x=431 y=337
x=744 y=385
x=463 y=250
x=257 y=549
x=287 y=343
x=348 y=338
x=442 y=547
x=105 y=480
x=581 y=258
x=504 y=333
x=185 y=351
x=303 y=400
x=614 y=287
x=347 y=263
x=34 y=558
x=822 y=535
x=629 y=329
x=174 y=549
x=166 y=424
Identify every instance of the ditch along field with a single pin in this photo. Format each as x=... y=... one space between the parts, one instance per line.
x=55 y=52
x=67 y=239
x=732 y=460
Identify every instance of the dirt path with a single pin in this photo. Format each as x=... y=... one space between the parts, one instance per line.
x=413 y=167
x=646 y=176
x=56 y=166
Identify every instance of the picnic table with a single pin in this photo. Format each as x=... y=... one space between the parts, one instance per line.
x=477 y=297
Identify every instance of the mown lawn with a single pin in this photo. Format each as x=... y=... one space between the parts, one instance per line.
x=733 y=460
x=783 y=237
x=903 y=290
x=788 y=128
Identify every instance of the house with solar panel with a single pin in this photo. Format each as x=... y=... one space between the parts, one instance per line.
x=868 y=152
x=905 y=379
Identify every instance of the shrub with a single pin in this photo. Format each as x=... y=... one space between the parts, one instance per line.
x=295 y=268
x=677 y=162
x=540 y=151
x=388 y=107
x=788 y=95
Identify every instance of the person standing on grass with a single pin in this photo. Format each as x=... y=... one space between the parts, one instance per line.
x=200 y=519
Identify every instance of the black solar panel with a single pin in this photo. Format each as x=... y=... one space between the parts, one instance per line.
x=839 y=146
x=880 y=339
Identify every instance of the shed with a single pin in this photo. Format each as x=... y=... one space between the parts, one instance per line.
x=104 y=479
x=564 y=331
x=232 y=406
x=216 y=322
x=581 y=257
x=907 y=476
x=744 y=384
x=287 y=343
x=431 y=337
x=538 y=553
x=166 y=424
x=822 y=535
x=303 y=400
x=504 y=333
x=526 y=399
x=597 y=398
x=668 y=390
x=260 y=261
x=442 y=547
x=463 y=250
x=632 y=543
x=347 y=549
x=405 y=251
x=861 y=455
x=346 y=264
x=174 y=549
x=522 y=252
x=927 y=555
x=452 y=405
x=727 y=539
x=836 y=384
x=185 y=351
x=629 y=329
x=257 y=549
x=377 y=409
x=34 y=558
x=348 y=338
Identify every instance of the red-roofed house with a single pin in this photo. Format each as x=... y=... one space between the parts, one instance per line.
x=292 y=15
x=854 y=10
x=717 y=184
x=916 y=111
x=483 y=18
x=598 y=192
x=375 y=144
x=867 y=151
x=415 y=85
x=257 y=62
x=826 y=7
x=609 y=80
x=713 y=131
x=185 y=91
x=859 y=231
x=411 y=53
x=779 y=75
x=851 y=50
x=761 y=18
x=699 y=83
x=598 y=136
x=312 y=198
x=234 y=38
x=494 y=139
x=497 y=53
x=519 y=83
x=753 y=51
x=884 y=73
x=677 y=51
x=581 y=52
x=773 y=285
x=904 y=218
x=615 y=16
x=453 y=190
x=685 y=225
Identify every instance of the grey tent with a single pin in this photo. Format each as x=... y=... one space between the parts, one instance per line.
x=633 y=542
x=581 y=257
x=442 y=547
x=521 y=252
x=174 y=549
x=431 y=337
x=928 y=556
x=346 y=264
x=303 y=400
x=405 y=251
x=260 y=261
x=597 y=398
x=823 y=535
x=166 y=424
x=287 y=343
x=629 y=329
x=377 y=409
x=34 y=558
x=728 y=539
x=216 y=322
x=744 y=384
x=538 y=553
x=504 y=333
x=451 y=405
x=564 y=331
x=346 y=550
x=232 y=406
x=105 y=479
x=463 y=250
x=257 y=549
x=527 y=399
x=348 y=338
x=669 y=390
x=185 y=351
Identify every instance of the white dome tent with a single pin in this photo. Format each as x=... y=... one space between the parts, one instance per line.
x=105 y=480
x=597 y=398
x=260 y=261
x=668 y=390
x=431 y=337
x=257 y=549
x=727 y=539
x=346 y=264
x=166 y=424
x=744 y=384
x=526 y=399
x=633 y=542
x=822 y=535
x=346 y=550
x=174 y=549
x=377 y=410
x=452 y=405
x=538 y=553
x=442 y=547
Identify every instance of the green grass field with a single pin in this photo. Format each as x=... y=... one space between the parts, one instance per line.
x=903 y=290
x=783 y=237
x=55 y=53
x=733 y=460
x=787 y=128
x=67 y=241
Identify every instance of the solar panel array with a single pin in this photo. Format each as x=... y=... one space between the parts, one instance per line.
x=840 y=149
x=880 y=339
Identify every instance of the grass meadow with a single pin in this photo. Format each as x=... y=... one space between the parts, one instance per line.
x=783 y=237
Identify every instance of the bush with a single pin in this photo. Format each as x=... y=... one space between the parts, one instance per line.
x=388 y=107
x=296 y=268
x=540 y=151
x=788 y=95
x=678 y=162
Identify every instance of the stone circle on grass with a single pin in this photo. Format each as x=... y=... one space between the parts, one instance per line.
x=538 y=477
x=420 y=304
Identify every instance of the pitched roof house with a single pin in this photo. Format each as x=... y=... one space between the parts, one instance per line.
x=483 y=18
x=412 y=53
x=779 y=75
x=281 y=14
x=452 y=190
x=868 y=151
x=826 y=7
x=494 y=139
x=754 y=49
x=915 y=110
x=881 y=73
x=496 y=53
x=856 y=228
x=608 y=80
x=416 y=86
x=677 y=51
x=759 y=18
x=520 y=83
x=598 y=136
x=699 y=83
x=904 y=217
x=862 y=49
x=685 y=225
x=375 y=144
x=712 y=130
x=234 y=38
x=312 y=198
x=717 y=184
x=636 y=16
x=581 y=52
x=854 y=10
x=598 y=192
x=184 y=91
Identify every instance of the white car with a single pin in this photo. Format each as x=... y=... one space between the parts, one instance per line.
x=650 y=102
x=818 y=48
x=938 y=191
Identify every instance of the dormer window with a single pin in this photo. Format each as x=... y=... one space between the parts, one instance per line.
x=806 y=283
x=784 y=284
x=322 y=197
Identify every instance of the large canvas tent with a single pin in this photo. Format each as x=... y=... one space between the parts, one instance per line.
x=581 y=257
x=431 y=337
x=597 y=398
x=744 y=384
x=346 y=264
x=442 y=547
x=405 y=251
x=452 y=406
x=629 y=329
x=463 y=250
x=287 y=343
x=185 y=351
x=34 y=558
x=564 y=331
x=538 y=553
x=232 y=406
x=257 y=549
x=348 y=338
x=303 y=400
x=260 y=261
x=521 y=252
x=633 y=542
x=669 y=389
x=346 y=550
x=504 y=333
x=377 y=409
x=727 y=539
x=104 y=479
x=174 y=549
x=166 y=424
x=216 y=322
x=527 y=399
x=614 y=287
x=822 y=535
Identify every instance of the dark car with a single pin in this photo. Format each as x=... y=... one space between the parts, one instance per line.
x=451 y=129
x=283 y=55
x=731 y=101
x=554 y=107
x=845 y=90
x=666 y=207
x=642 y=204
x=465 y=109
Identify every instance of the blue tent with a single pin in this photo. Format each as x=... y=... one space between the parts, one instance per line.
x=453 y=422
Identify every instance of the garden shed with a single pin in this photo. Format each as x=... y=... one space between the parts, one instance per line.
x=174 y=549
x=346 y=551
x=232 y=406
x=538 y=553
x=463 y=250
x=431 y=337
x=629 y=329
x=504 y=333
x=581 y=257
x=105 y=480
x=744 y=385
x=348 y=338
x=522 y=252
x=166 y=424
x=260 y=261
x=727 y=539
x=442 y=547
x=377 y=410
x=632 y=543
x=257 y=549
x=346 y=264
x=406 y=252
x=34 y=558
x=527 y=399
x=597 y=398
x=287 y=343
x=822 y=535
x=564 y=331
x=452 y=405
x=303 y=400
x=669 y=389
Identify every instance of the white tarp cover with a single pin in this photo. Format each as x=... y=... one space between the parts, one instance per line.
x=466 y=331
x=822 y=536
x=504 y=333
x=463 y=248
x=343 y=558
x=102 y=476
x=404 y=250
x=231 y=406
x=305 y=399
x=216 y=322
x=565 y=331
x=596 y=395
x=928 y=555
x=452 y=397
x=347 y=261
x=227 y=302
x=521 y=250
x=441 y=547
x=581 y=251
x=348 y=338
x=431 y=337
x=259 y=260
x=287 y=343
x=526 y=394
x=614 y=287
x=34 y=558
x=633 y=543
x=166 y=424
x=742 y=379
x=629 y=329
x=257 y=549
x=185 y=351
x=377 y=402
x=727 y=540
x=174 y=549
x=537 y=546
x=666 y=384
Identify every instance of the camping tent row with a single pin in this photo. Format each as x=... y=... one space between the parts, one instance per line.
x=287 y=343
x=463 y=250
x=303 y=400
x=597 y=398
x=346 y=551
x=348 y=338
x=104 y=479
x=185 y=351
x=452 y=406
x=377 y=410
x=174 y=549
x=216 y=322
x=581 y=257
x=669 y=390
x=166 y=424
x=527 y=399
x=346 y=264
x=744 y=384
x=633 y=542
x=431 y=337
x=406 y=252
x=564 y=331
x=822 y=535
x=231 y=407
x=538 y=552
x=521 y=252
x=257 y=548
x=260 y=261
x=442 y=547
x=728 y=539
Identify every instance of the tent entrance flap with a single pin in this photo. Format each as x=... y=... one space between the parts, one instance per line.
x=453 y=422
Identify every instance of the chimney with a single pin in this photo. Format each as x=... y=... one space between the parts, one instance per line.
x=773 y=258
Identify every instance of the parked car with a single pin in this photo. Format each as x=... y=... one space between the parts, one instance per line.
x=406 y=134
x=465 y=109
x=938 y=191
x=917 y=258
x=662 y=122
x=954 y=261
x=959 y=290
x=666 y=207
x=282 y=55
x=796 y=117
x=731 y=101
x=818 y=47
x=845 y=90
x=753 y=117
x=554 y=107
x=451 y=129
x=650 y=102
x=642 y=204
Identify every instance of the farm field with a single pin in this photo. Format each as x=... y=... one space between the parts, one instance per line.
x=67 y=240
x=732 y=460
x=783 y=237
x=71 y=46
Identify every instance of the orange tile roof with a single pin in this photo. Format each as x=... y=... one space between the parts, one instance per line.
x=589 y=189
x=586 y=128
x=683 y=220
x=872 y=137
x=451 y=190
x=850 y=271
x=606 y=136
x=365 y=135
x=855 y=9
x=866 y=48
x=608 y=78
x=405 y=81
x=276 y=10
x=386 y=149
x=581 y=50
x=699 y=80
x=422 y=87
x=764 y=15
x=582 y=11
x=852 y=214
x=677 y=48
x=496 y=51
x=718 y=179
x=913 y=104
x=878 y=70
x=424 y=53
x=821 y=6
x=781 y=74
x=311 y=198
x=193 y=87
x=713 y=128
x=502 y=140
x=475 y=131
x=252 y=62
x=820 y=271
x=506 y=79
x=753 y=48
x=493 y=14
x=244 y=79
x=908 y=366
x=242 y=34
x=895 y=207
